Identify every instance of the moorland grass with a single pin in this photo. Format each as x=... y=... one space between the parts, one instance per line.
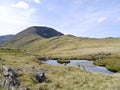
x=63 y=61
x=61 y=77
x=58 y=77
x=110 y=62
x=70 y=47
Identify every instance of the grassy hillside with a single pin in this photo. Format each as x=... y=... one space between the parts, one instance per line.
x=66 y=46
x=31 y=35
x=55 y=45
x=58 y=77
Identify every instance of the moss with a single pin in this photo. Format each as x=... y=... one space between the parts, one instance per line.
x=63 y=61
x=110 y=62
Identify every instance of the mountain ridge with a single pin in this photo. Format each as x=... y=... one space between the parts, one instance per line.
x=60 y=45
x=30 y=35
x=4 y=38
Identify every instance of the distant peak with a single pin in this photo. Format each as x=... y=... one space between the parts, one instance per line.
x=43 y=31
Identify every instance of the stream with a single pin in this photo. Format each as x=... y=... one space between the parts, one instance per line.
x=85 y=64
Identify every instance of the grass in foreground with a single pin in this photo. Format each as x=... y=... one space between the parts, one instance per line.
x=58 y=77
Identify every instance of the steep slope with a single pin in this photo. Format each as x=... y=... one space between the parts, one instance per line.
x=45 y=32
x=5 y=38
x=30 y=35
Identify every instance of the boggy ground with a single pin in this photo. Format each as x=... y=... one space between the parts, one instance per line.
x=70 y=47
x=111 y=62
x=57 y=77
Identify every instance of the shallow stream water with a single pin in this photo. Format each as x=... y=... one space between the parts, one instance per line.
x=85 y=64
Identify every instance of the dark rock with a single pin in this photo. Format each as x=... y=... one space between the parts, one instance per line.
x=40 y=77
x=9 y=80
x=2 y=59
x=39 y=74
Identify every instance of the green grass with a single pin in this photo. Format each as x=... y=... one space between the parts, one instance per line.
x=111 y=62
x=63 y=61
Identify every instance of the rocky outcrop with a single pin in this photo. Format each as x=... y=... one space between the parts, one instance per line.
x=10 y=75
x=9 y=80
x=39 y=74
x=40 y=77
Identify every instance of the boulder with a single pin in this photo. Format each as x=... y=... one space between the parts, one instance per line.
x=9 y=80
x=39 y=75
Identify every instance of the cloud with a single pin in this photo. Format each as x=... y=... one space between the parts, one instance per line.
x=11 y=28
x=19 y=16
x=15 y=19
x=37 y=1
x=30 y=12
x=21 y=4
x=102 y=19
x=9 y=14
x=118 y=18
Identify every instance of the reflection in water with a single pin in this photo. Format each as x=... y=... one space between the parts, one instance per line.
x=88 y=65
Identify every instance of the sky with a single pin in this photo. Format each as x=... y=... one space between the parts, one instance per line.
x=82 y=18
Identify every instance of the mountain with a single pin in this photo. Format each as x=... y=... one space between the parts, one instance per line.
x=31 y=35
x=46 y=41
x=5 y=38
x=45 y=32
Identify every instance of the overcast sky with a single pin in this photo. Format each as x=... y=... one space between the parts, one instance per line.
x=87 y=18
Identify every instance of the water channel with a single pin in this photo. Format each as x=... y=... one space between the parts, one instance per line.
x=87 y=65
